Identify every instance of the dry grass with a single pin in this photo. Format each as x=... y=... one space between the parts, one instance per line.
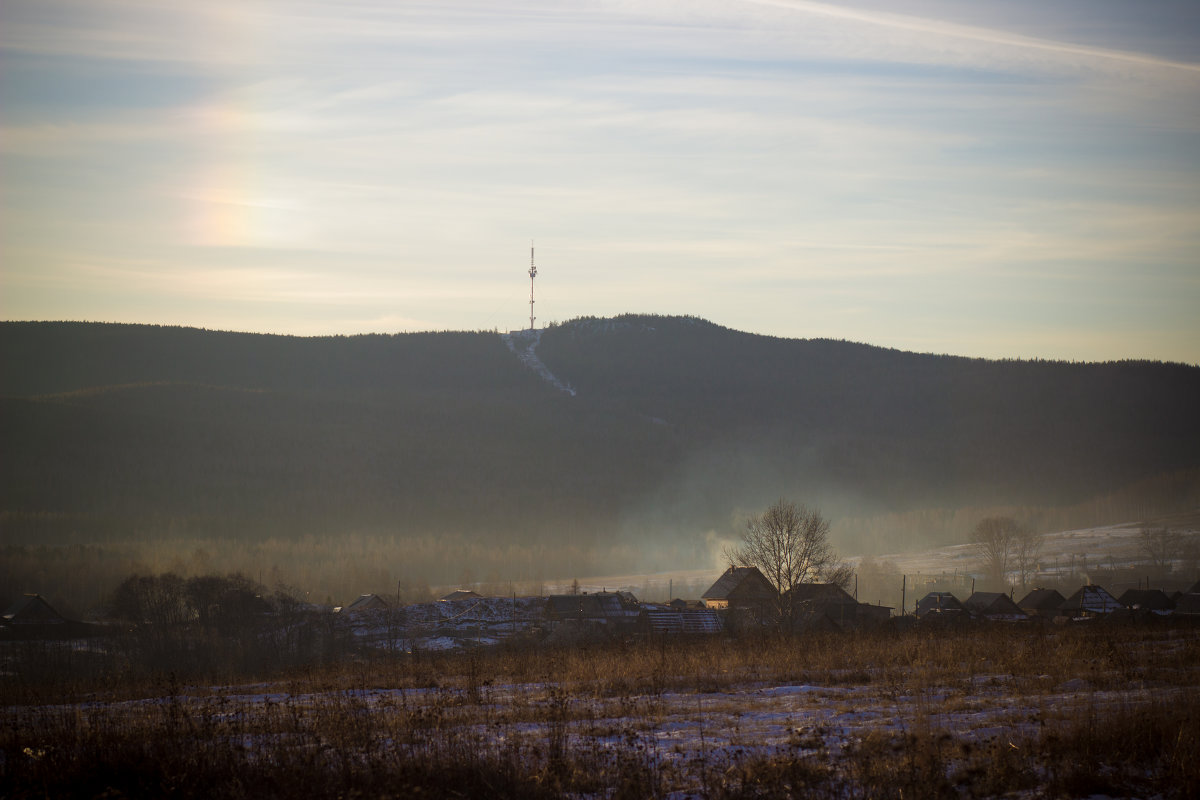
x=1064 y=712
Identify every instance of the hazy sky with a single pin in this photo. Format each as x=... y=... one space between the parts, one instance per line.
x=995 y=179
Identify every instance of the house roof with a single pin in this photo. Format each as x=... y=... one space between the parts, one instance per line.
x=821 y=593
x=993 y=604
x=460 y=594
x=938 y=603
x=1090 y=600
x=1042 y=601
x=736 y=578
x=367 y=602
x=32 y=609
x=1151 y=599
x=1188 y=603
x=602 y=605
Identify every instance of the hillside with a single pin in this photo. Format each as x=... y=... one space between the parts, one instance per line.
x=118 y=432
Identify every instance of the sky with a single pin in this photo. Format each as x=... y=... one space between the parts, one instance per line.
x=1004 y=179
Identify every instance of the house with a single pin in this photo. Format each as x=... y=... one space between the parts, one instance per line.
x=366 y=602
x=460 y=594
x=32 y=609
x=1188 y=605
x=1154 y=600
x=939 y=604
x=1089 y=601
x=742 y=587
x=601 y=608
x=994 y=606
x=822 y=605
x=1042 y=603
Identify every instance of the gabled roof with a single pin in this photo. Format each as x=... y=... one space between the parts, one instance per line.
x=1188 y=604
x=938 y=603
x=1045 y=602
x=1090 y=600
x=747 y=579
x=367 y=602
x=602 y=605
x=992 y=604
x=1149 y=599
x=32 y=610
x=460 y=594
x=821 y=594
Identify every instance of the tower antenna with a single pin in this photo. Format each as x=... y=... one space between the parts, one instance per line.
x=532 y=275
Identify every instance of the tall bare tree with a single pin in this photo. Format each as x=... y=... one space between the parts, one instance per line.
x=1161 y=546
x=994 y=540
x=1026 y=550
x=789 y=544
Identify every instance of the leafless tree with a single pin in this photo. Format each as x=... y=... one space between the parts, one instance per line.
x=1026 y=550
x=789 y=544
x=1161 y=546
x=995 y=544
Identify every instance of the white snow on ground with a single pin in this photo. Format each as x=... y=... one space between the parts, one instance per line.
x=688 y=730
x=524 y=343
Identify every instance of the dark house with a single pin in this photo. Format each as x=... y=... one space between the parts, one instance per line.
x=939 y=604
x=1154 y=600
x=822 y=606
x=741 y=587
x=1089 y=601
x=1043 y=603
x=601 y=608
x=994 y=606
x=366 y=602
x=32 y=609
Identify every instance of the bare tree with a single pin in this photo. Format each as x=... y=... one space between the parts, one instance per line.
x=995 y=543
x=1026 y=550
x=1161 y=546
x=789 y=544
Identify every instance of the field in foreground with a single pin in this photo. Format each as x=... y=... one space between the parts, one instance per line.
x=1007 y=711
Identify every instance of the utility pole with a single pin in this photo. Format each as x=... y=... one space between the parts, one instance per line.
x=532 y=275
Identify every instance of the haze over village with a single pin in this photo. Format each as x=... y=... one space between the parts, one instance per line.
x=708 y=399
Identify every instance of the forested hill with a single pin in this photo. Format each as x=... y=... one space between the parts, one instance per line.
x=678 y=424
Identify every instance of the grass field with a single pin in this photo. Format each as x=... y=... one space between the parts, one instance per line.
x=983 y=712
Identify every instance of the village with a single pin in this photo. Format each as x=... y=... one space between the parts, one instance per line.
x=740 y=600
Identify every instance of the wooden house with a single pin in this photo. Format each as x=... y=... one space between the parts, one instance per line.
x=32 y=609
x=1089 y=601
x=825 y=606
x=994 y=606
x=1153 y=600
x=1042 y=603
x=366 y=602
x=741 y=587
x=937 y=604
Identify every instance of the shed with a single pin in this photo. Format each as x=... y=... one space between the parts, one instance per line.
x=1042 y=603
x=994 y=606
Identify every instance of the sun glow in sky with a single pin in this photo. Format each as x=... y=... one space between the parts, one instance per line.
x=1010 y=179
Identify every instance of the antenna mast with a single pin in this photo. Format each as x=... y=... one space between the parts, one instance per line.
x=532 y=275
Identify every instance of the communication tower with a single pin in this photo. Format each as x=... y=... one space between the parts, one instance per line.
x=532 y=275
